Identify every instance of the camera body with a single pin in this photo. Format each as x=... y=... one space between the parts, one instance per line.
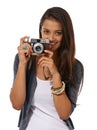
x=38 y=45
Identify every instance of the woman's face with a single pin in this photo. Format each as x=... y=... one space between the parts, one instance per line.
x=52 y=30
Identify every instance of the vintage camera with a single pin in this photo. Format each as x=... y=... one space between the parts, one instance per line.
x=38 y=45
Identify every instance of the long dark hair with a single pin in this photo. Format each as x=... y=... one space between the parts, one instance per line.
x=67 y=48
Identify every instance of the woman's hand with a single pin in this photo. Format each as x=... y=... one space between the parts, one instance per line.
x=24 y=50
x=47 y=62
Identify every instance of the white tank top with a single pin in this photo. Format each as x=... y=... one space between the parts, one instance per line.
x=45 y=116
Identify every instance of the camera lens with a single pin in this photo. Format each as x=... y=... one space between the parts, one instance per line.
x=38 y=48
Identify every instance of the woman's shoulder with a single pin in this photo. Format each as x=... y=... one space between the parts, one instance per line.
x=16 y=59
x=16 y=56
x=78 y=64
x=78 y=70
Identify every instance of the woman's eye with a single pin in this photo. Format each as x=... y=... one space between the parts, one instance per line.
x=59 y=33
x=46 y=31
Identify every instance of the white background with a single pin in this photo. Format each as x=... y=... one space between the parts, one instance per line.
x=21 y=17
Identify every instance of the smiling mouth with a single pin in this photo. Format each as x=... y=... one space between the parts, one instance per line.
x=54 y=43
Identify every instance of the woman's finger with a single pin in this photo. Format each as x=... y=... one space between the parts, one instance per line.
x=23 y=39
x=49 y=53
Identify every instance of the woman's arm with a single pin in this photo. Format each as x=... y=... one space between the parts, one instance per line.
x=18 y=91
x=62 y=102
x=66 y=102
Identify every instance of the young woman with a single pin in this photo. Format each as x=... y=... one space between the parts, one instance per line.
x=46 y=86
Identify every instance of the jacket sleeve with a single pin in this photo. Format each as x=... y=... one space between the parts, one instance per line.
x=74 y=89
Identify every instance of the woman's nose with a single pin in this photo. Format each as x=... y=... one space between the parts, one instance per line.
x=51 y=37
